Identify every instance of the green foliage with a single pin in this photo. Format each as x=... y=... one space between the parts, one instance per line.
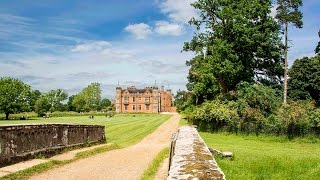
x=14 y=96
x=258 y=97
x=288 y=12
x=183 y=100
x=34 y=95
x=304 y=82
x=42 y=106
x=105 y=104
x=256 y=109
x=296 y=119
x=55 y=97
x=214 y=116
x=241 y=43
x=88 y=99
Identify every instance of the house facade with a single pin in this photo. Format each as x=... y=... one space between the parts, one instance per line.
x=148 y=99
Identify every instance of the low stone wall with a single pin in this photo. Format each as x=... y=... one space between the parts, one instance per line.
x=20 y=142
x=190 y=157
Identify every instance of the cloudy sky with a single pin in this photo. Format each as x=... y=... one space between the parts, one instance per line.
x=53 y=44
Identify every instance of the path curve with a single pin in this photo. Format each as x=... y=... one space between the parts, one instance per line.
x=128 y=163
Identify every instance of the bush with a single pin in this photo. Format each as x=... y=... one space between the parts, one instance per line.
x=213 y=116
x=295 y=118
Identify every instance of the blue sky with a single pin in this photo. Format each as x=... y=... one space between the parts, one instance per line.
x=52 y=44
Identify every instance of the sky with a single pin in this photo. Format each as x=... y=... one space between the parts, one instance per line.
x=59 y=44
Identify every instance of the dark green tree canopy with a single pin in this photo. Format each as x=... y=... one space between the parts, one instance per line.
x=304 y=82
x=240 y=43
x=14 y=96
x=288 y=12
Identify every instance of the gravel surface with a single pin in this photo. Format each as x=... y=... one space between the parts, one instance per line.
x=128 y=163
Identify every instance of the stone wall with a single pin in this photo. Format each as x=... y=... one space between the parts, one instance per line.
x=20 y=142
x=190 y=157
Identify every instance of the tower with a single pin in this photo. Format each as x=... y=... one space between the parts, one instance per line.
x=118 y=99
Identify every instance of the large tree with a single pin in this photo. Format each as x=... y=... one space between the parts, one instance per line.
x=55 y=98
x=14 y=96
x=304 y=82
x=42 y=105
x=34 y=96
x=88 y=99
x=288 y=13
x=240 y=43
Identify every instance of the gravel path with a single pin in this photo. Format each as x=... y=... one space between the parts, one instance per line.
x=128 y=163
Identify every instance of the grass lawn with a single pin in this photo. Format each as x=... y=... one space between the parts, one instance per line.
x=122 y=129
x=266 y=157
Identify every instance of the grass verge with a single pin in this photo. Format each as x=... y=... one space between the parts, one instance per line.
x=266 y=157
x=154 y=166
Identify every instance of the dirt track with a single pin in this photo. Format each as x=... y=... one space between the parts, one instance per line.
x=128 y=163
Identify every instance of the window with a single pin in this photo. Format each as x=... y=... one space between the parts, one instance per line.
x=134 y=107
x=126 y=107
x=147 y=107
x=139 y=99
x=126 y=99
x=139 y=107
x=147 y=99
x=133 y=99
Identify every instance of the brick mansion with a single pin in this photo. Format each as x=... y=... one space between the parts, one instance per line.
x=148 y=99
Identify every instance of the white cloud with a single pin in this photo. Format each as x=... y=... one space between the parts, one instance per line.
x=140 y=31
x=91 y=46
x=166 y=28
x=178 y=10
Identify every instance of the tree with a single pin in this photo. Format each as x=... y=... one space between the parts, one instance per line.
x=88 y=99
x=55 y=97
x=104 y=103
x=42 y=105
x=288 y=13
x=14 y=95
x=71 y=107
x=183 y=99
x=304 y=82
x=240 y=43
x=317 y=50
x=34 y=96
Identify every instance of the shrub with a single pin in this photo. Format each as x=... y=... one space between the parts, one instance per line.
x=213 y=116
x=295 y=118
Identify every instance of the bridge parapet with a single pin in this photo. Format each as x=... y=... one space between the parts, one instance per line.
x=190 y=157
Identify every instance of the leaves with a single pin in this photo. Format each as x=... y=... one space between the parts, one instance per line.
x=240 y=43
x=14 y=95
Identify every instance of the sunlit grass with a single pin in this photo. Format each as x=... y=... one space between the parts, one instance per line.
x=266 y=157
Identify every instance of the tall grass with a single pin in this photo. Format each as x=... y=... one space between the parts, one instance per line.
x=266 y=157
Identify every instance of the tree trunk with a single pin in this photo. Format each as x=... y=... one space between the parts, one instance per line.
x=285 y=65
x=223 y=85
x=7 y=116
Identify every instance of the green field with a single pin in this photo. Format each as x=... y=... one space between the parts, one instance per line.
x=122 y=129
x=266 y=157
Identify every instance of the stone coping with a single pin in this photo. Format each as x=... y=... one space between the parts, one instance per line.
x=191 y=158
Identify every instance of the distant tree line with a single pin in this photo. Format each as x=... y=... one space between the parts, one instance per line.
x=16 y=97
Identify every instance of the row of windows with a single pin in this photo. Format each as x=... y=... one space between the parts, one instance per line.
x=134 y=107
x=134 y=99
